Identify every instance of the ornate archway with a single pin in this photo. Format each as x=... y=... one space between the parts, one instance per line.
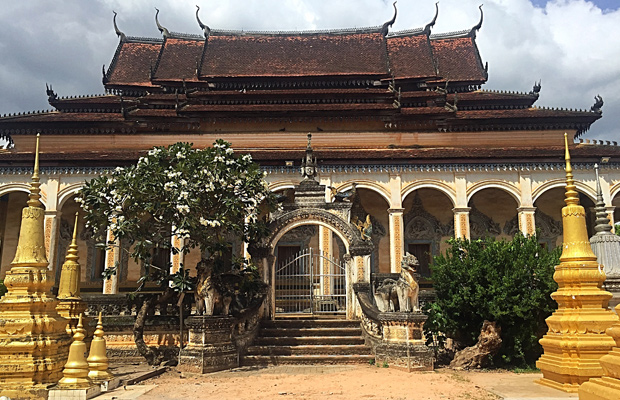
x=309 y=207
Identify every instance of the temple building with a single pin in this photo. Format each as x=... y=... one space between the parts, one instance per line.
x=400 y=123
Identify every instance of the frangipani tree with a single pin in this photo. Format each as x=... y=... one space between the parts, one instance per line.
x=204 y=196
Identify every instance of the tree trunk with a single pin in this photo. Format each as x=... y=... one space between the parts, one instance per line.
x=152 y=355
x=478 y=356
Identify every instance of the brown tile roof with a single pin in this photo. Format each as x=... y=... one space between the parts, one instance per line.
x=56 y=116
x=276 y=108
x=132 y=63
x=294 y=55
x=411 y=57
x=339 y=156
x=528 y=113
x=458 y=59
x=178 y=59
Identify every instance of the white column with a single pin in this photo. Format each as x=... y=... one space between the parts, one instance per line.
x=461 y=210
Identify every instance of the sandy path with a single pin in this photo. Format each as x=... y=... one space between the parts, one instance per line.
x=321 y=382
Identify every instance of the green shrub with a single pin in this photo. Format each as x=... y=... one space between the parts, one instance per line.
x=509 y=282
x=2 y=289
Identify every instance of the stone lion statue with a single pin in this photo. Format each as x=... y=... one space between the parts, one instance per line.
x=209 y=299
x=401 y=294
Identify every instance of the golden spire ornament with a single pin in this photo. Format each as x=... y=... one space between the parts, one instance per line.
x=33 y=341
x=97 y=358
x=75 y=373
x=70 y=303
x=576 y=339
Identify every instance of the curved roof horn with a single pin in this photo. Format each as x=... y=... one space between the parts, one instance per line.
x=386 y=26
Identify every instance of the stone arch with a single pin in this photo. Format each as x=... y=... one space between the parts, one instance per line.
x=21 y=187
x=366 y=184
x=281 y=185
x=614 y=190
x=67 y=192
x=314 y=216
x=506 y=187
x=561 y=182
x=428 y=222
x=430 y=184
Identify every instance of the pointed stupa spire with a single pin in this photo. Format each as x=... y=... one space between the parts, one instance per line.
x=602 y=219
x=29 y=307
x=477 y=27
x=75 y=373
x=576 y=339
x=204 y=27
x=97 y=358
x=35 y=191
x=31 y=244
x=163 y=30
x=120 y=34
x=427 y=28
x=387 y=25
x=572 y=197
x=69 y=286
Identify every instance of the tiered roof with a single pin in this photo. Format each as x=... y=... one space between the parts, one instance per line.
x=412 y=81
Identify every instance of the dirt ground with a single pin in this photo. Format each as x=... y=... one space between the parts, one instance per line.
x=317 y=382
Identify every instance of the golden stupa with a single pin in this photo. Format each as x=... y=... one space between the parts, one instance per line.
x=33 y=341
x=607 y=387
x=70 y=304
x=576 y=339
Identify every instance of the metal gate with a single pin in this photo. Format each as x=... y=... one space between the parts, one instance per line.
x=310 y=282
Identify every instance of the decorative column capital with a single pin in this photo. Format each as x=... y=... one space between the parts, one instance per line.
x=526 y=209
x=395 y=210
x=461 y=210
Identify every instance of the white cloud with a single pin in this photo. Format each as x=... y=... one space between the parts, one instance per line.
x=571 y=45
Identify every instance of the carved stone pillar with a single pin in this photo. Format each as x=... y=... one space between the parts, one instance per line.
x=396 y=238
x=527 y=224
x=52 y=219
x=112 y=259
x=461 y=222
x=326 y=248
x=360 y=269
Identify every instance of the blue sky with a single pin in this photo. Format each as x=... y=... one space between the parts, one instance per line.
x=602 y=4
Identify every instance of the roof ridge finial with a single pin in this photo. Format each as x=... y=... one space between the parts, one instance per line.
x=163 y=30
x=602 y=226
x=572 y=197
x=205 y=28
x=427 y=28
x=479 y=24
x=386 y=26
x=118 y=31
x=35 y=191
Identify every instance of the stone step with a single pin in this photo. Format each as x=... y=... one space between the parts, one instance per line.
x=307 y=359
x=309 y=340
x=310 y=323
x=309 y=350
x=300 y=332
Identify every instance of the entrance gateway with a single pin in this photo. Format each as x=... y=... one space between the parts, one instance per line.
x=310 y=282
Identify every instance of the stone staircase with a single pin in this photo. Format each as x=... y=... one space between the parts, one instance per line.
x=308 y=340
